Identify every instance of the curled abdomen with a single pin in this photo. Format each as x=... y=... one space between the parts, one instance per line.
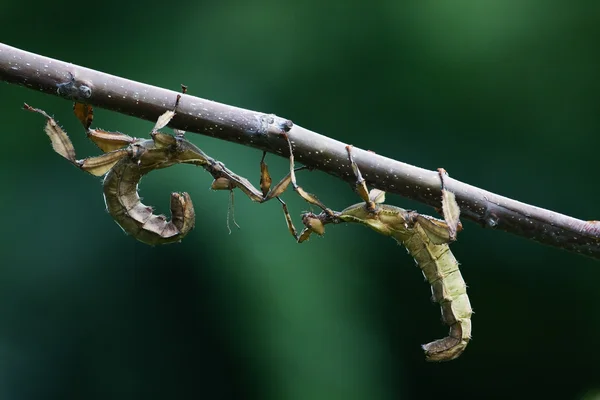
x=448 y=288
x=138 y=220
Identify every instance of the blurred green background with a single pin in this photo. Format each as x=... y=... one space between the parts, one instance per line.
x=503 y=94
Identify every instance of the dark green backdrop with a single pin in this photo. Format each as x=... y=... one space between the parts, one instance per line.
x=504 y=94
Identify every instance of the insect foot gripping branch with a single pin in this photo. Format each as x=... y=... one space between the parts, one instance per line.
x=426 y=239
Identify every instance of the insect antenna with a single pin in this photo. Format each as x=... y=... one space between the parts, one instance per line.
x=231 y=211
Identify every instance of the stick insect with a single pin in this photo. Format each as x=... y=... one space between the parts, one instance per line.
x=426 y=239
x=126 y=160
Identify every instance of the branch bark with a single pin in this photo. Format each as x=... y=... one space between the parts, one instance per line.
x=263 y=131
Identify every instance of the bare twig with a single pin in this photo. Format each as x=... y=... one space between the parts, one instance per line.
x=263 y=131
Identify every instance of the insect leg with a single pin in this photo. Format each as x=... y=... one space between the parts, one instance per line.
x=450 y=209
x=310 y=198
x=61 y=144
x=106 y=141
x=370 y=198
x=275 y=192
x=178 y=132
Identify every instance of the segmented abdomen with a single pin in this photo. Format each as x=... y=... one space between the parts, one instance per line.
x=124 y=205
x=448 y=288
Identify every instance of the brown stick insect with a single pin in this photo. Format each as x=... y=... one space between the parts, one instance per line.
x=426 y=239
x=126 y=160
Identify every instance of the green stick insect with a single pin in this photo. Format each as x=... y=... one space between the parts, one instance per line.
x=426 y=239
x=126 y=160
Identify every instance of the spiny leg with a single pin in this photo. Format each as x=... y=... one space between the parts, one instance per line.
x=105 y=140
x=61 y=144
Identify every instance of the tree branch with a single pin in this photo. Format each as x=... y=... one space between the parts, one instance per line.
x=263 y=131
